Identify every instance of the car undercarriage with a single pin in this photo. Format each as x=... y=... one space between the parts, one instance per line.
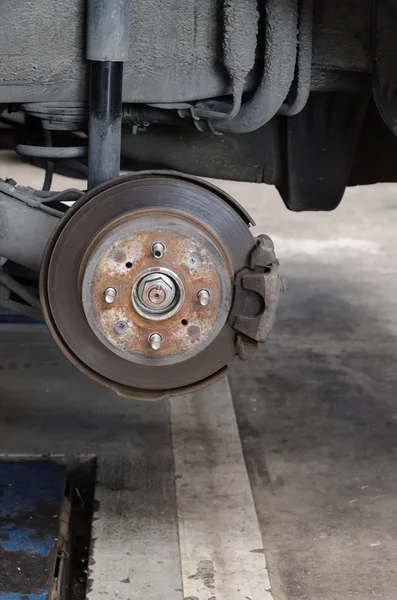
x=152 y=282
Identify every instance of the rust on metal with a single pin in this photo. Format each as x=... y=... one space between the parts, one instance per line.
x=189 y=325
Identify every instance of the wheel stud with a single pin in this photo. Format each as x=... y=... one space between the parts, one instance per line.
x=110 y=295
x=158 y=250
x=204 y=297
x=156 y=341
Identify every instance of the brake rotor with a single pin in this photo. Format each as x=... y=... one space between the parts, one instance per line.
x=137 y=282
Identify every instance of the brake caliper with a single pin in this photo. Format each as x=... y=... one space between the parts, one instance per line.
x=257 y=290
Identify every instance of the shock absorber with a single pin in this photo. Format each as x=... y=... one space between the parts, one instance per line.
x=107 y=49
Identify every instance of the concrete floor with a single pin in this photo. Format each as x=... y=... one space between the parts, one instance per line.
x=318 y=413
x=317 y=418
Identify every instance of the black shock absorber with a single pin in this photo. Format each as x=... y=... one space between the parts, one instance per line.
x=107 y=49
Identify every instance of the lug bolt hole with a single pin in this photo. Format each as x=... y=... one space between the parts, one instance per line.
x=128 y=265
x=185 y=322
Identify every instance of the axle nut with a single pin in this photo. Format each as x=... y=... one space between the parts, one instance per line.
x=156 y=291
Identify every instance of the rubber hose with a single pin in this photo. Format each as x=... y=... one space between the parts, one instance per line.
x=280 y=50
x=304 y=62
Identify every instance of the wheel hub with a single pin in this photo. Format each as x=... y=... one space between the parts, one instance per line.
x=154 y=294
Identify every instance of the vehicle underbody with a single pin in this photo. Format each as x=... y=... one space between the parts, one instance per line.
x=151 y=283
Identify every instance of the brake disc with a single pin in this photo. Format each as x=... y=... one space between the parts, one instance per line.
x=138 y=283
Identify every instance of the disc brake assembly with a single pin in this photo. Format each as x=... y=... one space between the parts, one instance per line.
x=152 y=283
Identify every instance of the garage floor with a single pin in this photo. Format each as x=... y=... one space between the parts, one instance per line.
x=289 y=474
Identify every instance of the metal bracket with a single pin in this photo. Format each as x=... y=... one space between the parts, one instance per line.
x=37 y=198
x=257 y=291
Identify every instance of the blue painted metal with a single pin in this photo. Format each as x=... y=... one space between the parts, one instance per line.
x=16 y=596
x=8 y=318
x=31 y=495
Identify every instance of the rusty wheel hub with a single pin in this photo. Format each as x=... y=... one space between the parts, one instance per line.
x=156 y=294
x=137 y=283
